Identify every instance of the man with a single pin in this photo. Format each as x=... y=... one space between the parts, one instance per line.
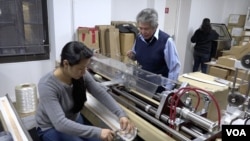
x=154 y=50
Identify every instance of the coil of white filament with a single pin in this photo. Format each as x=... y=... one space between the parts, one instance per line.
x=26 y=98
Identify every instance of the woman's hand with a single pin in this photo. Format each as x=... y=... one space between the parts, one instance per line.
x=107 y=135
x=126 y=125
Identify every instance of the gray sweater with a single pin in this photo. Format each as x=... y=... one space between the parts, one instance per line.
x=55 y=102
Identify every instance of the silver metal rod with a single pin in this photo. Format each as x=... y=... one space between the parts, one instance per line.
x=197 y=119
x=149 y=109
x=190 y=132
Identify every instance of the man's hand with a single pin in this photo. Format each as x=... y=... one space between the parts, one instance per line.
x=131 y=55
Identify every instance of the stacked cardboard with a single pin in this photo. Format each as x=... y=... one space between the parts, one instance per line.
x=245 y=37
x=228 y=60
x=235 y=27
x=218 y=72
x=89 y=36
x=126 y=44
x=236 y=20
x=224 y=67
x=238 y=51
x=127 y=37
x=108 y=40
x=101 y=29
x=112 y=43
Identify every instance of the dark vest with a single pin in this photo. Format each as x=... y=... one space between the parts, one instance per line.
x=151 y=55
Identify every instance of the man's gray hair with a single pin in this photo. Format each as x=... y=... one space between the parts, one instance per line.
x=148 y=15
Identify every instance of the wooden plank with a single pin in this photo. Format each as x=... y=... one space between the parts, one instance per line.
x=3 y=123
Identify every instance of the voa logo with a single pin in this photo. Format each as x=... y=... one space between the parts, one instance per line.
x=236 y=132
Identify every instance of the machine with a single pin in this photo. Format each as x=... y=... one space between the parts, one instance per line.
x=172 y=111
x=238 y=110
x=173 y=114
x=223 y=42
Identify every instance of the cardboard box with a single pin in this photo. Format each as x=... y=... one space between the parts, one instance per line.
x=101 y=29
x=237 y=20
x=236 y=31
x=246 y=33
x=89 y=36
x=126 y=42
x=112 y=43
x=218 y=72
x=238 y=80
x=241 y=74
x=220 y=66
x=226 y=52
x=243 y=88
x=242 y=43
x=238 y=51
x=228 y=60
x=236 y=40
x=220 y=93
x=245 y=38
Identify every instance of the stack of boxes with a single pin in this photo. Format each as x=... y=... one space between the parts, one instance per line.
x=245 y=37
x=224 y=66
x=102 y=44
x=235 y=27
x=89 y=36
x=112 y=43
x=108 y=40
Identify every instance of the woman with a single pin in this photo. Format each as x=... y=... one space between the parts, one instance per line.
x=62 y=95
x=203 y=38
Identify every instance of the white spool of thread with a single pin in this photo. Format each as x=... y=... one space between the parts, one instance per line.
x=26 y=98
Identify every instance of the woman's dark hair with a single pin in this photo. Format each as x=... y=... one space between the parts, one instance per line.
x=74 y=52
x=206 y=26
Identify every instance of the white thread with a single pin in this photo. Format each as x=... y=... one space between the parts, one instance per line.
x=26 y=98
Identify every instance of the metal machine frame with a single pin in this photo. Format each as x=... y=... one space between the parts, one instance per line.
x=171 y=111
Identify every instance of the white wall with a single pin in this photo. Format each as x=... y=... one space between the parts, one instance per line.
x=199 y=9
x=124 y=11
x=234 y=7
x=65 y=16
x=13 y=74
x=171 y=17
x=69 y=15
x=182 y=32
x=119 y=7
